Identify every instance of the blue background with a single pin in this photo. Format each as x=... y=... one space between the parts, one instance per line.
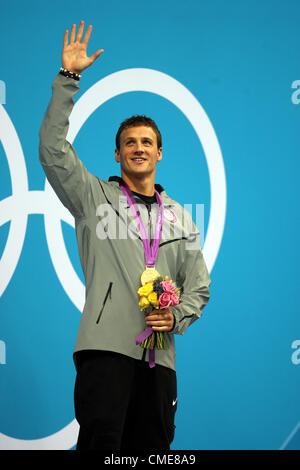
x=237 y=385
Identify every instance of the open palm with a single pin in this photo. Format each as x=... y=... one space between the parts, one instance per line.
x=74 y=56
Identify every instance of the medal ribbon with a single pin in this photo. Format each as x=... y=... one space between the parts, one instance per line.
x=150 y=251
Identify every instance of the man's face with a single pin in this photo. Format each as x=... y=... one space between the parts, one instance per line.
x=138 y=151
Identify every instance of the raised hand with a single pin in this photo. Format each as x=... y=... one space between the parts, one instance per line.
x=74 y=56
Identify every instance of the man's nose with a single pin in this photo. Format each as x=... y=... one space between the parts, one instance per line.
x=139 y=148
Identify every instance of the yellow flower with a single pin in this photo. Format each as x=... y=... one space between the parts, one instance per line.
x=152 y=297
x=146 y=289
x=144 y=302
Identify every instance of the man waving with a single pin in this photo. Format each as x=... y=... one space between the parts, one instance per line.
x=125 y=395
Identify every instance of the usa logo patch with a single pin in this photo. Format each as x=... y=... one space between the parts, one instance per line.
x=169 y=215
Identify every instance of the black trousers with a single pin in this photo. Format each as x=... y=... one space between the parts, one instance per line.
x=123 y=405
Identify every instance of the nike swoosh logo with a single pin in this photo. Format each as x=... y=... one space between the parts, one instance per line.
x=174 y=402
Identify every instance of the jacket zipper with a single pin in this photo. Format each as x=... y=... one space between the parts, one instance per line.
x=104 y=301
x=174 y=240
x=149 y=214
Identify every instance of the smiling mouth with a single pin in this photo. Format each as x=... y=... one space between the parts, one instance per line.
x=138 y=160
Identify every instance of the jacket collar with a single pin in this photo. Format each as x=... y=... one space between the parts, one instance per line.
x=158 y=187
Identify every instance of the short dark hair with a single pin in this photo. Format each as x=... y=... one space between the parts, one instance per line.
x=135 y=121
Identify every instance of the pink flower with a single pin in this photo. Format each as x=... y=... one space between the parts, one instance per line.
x=166 y=299
x=167 y=286
x=174 y=299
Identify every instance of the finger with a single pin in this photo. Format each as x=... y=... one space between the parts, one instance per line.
x=162 y=311
x=161 y=328
x=66 y=38
x=162 y=316
x=73 y=31
x=80 y=31
x=158 y=322
x=96 y=55
x=154 y=317
x=87 y=34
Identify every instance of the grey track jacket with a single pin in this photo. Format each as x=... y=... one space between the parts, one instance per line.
x=110 y=246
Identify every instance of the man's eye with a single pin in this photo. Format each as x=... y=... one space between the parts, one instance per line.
x=147 y=142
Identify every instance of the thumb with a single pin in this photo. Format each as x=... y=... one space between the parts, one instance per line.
x=96 y=55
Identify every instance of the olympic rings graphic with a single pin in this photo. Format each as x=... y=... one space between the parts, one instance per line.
x=24 y=202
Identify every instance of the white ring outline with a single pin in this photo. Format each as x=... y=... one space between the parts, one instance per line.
x=19 y=182
x=124 y=81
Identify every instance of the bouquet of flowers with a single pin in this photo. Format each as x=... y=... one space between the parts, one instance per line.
x=157 y=292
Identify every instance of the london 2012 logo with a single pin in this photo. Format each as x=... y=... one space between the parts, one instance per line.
x=22 y=202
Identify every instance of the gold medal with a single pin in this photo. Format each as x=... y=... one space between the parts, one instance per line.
x=149 y=275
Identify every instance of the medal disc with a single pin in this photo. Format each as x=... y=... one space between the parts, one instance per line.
x=149 y=275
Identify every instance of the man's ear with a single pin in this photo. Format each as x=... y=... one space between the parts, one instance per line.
x=159 y=154
x=117 y=155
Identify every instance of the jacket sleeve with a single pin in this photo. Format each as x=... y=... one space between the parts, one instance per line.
x=194 y=281
x=65 y=172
